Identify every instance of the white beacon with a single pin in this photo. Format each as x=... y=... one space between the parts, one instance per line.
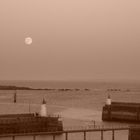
x=108 y=100
x=43 y=111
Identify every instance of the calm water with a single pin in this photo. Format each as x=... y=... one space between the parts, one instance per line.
x=78 y=108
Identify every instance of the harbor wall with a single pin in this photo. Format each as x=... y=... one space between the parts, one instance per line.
x=119 y=111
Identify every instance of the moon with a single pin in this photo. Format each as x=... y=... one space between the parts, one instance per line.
x=28 y=40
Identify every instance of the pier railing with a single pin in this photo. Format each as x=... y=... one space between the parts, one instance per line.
x=67 y=131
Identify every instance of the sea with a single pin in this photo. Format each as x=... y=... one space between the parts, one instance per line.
x=79 y=103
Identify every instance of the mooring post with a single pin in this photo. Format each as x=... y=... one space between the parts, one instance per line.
x=94 y=124
x=113 y=134
x=84 y=135
x=34 y=137
x=15 y=96
x=13 y=137
x=53 y=137
x=129 y=134
x=102 y=137
x=66 y=134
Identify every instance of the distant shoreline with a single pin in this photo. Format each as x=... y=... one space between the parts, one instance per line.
x=13 y=87
x=9 y=87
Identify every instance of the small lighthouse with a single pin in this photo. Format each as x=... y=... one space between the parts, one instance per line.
x=108 y=100
x=43 y=111
x=15 y=96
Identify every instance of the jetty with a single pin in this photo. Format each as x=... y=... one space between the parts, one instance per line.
x=121 y=111
x=26 y=123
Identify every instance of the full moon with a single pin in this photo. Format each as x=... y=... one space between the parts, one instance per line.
x=28 y=40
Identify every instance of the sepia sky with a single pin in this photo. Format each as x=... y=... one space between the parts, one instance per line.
x=72 y=39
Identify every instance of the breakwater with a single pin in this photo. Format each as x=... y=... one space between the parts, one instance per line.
x=121 y=111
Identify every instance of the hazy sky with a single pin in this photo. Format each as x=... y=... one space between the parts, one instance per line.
x=72 y=39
